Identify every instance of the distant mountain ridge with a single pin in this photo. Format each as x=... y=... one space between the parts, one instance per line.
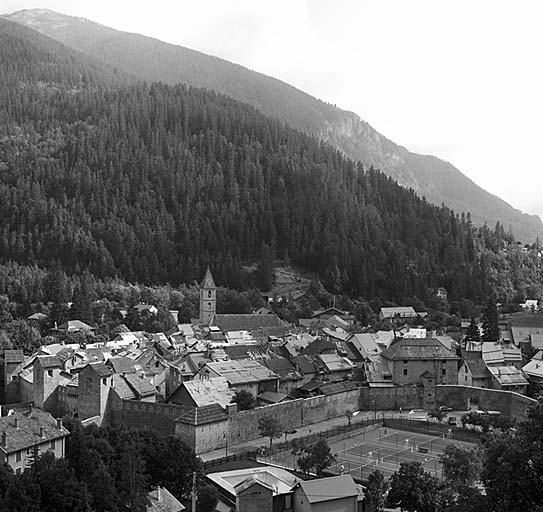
x=150 y=59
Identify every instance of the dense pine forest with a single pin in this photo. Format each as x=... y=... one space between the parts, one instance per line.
x=153 y=182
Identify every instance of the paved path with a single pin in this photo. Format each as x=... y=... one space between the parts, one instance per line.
x=300 y=431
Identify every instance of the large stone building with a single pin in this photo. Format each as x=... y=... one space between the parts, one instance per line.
x=28 y=433
x=410 y=358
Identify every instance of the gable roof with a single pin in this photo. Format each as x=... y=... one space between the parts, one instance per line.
x=162 y=500
x=48 y=362
x=74 y=326
x=243 y=371
x=305 y=364
x=403 y=311
x=140 y=385
x=100 y=368
x=13 y=356
x=121 y=364
x=328 y=489
x=477 y=367
x=534 y=368
x=508 y=376
x=417 y=348
x=211 y=413
x=204 y=392
x=27 y=433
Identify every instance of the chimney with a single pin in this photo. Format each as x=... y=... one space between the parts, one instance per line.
x=42 y=432
x=59 y=423
x=158 y=493
x=4 y=439
x=16 y=422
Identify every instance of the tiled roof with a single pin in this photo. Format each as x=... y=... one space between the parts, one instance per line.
x=328 y=489
x=417 y=348
x=202 y=415
x=247 y=322
x=245 y=351
x=242 y=371
x=49 y=362
x=27 y=434
x=13 y=356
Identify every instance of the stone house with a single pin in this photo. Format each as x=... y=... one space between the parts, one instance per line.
x=473 y=371
x=409 y=358
x=10 y=365
x=28 y=433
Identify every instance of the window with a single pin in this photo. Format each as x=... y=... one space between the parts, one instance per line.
x=444 y=371
x=209 y=304
x=14 y=378
x=50 y=373
x=405 y=371
x=18 y=471
x=405 y=361
x=209 y=293
x=18 y=456
x=52 y=444
x=104 y=381
x=465 y=378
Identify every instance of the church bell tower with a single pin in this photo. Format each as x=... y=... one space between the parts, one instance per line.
x=208 y=298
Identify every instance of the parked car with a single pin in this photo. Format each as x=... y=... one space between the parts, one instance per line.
x=452 y=420
x=418 y=412
x=445 y=408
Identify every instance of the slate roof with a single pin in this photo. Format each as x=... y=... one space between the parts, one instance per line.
x=49 y=362
x=204 y=392
x=402 y=311
x=282 y=367
x=208 y=281
x=417 y=348
x=319 y=346
x=534 y=368
x=28 y=433
x=508 y=376
x=140 y=385
x=243 y=371
x=13 y=356
x=123 y=390
x=365 y=344
x=477 y=368
x=335 y=363
x=272 y=397
x=247 y=322
x=203 y=415
x=328 y=489
x=75 y=326
x=162 y=500
x=121 y=364
x=337 y=387
x=305 y=364
x=245 y=351
x=101 y=369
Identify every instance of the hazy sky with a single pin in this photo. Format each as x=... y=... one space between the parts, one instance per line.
x=460 y=79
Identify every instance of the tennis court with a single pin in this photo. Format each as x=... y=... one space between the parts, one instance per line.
x=385 y=449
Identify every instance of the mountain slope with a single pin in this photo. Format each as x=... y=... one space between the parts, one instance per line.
x=152 y=60
x=152 y=183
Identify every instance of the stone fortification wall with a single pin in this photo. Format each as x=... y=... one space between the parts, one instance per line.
x=243 y=425
x=144 y=415
x=511 y=405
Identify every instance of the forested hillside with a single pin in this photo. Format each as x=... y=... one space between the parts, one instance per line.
x=151 y=183
x=152 y=60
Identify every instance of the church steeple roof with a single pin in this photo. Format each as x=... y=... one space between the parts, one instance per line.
x=207 y=281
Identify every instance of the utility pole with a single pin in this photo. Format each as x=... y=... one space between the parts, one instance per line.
x=193 y=492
